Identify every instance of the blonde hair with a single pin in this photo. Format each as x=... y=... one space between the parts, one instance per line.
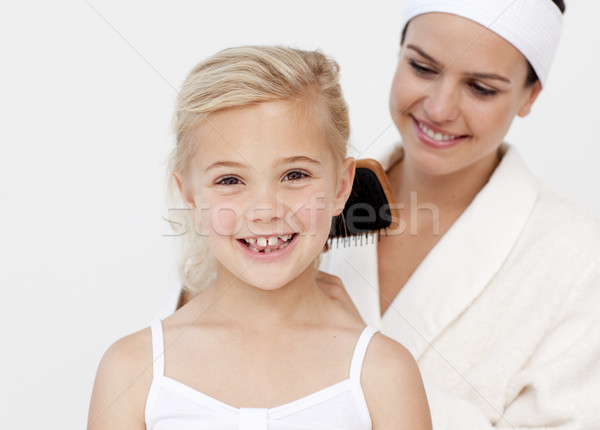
x=242 y=76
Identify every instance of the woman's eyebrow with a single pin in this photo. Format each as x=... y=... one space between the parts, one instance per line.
x=490 y=76
x=423 y=54
x=475 y=75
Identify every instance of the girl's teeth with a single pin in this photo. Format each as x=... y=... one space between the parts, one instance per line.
x=261 y=241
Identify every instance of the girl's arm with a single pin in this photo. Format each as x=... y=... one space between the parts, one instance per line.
x=393 y=387
x=121 y=387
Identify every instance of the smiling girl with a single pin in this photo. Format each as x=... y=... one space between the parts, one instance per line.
x=261 y=165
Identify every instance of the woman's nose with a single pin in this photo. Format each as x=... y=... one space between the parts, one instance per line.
x=441 y=102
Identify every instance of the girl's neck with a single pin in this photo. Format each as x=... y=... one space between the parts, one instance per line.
x=242 y=305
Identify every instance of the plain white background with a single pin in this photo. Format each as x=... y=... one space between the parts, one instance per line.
x=86 y=96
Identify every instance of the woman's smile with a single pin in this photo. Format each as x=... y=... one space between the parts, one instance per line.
x=435 y=136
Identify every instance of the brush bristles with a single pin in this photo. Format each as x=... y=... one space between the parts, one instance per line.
x=353 y=239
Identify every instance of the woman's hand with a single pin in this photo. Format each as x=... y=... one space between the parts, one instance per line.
x=333 y=287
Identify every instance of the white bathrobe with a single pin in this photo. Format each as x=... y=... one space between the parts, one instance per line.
x=503 y=315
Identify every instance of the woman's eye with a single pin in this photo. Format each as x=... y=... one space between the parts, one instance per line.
x=295 y=175
x=420 y=69
x=482 y=91
x=228 y=180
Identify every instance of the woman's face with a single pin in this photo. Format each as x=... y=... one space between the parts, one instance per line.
x=455 y=93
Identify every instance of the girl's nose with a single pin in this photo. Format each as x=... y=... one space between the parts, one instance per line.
x=267 y=206
x=441 y=102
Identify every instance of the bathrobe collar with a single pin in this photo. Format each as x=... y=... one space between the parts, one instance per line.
x=465 y=259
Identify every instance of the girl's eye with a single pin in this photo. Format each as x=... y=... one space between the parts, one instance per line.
x=482 y=91
x=228 y=180
x=419 y=69
x=295 y=175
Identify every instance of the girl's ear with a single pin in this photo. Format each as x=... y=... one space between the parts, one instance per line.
x=345 y=185
x=186 y=195
x=534 y=92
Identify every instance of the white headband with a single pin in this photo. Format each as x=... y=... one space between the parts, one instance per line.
x=531 y=26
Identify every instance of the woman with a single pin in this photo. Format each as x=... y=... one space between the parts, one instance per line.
x=492 y=279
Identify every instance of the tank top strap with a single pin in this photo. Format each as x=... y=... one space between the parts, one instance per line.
x=158 y=349
x=360 y=350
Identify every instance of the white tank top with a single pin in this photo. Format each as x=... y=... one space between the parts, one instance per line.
x=172 y=405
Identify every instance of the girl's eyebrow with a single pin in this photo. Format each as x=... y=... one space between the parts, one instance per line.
x=281 y=161
x=475 y=75
x=296 y=159
x=216 y=164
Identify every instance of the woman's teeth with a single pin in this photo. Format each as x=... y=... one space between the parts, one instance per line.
x=263 y=242
x=434 y=135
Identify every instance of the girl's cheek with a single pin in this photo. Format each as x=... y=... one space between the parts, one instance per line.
x=218 y=215
x=224 y=221
x=221 y=220
x=316 y=211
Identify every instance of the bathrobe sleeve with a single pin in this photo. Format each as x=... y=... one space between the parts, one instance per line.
x=503 y=315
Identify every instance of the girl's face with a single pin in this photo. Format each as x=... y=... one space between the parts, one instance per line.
x=264 y=187
x=455 y=93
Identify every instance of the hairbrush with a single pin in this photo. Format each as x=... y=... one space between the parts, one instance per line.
x=369 y=209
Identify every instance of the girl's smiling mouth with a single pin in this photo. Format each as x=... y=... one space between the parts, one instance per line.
x=268 y=244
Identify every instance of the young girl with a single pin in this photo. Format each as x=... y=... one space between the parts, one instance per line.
x=261 y=165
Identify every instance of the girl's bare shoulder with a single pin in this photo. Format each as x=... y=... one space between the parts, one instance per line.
x=386 y=355
x=390 y=377
x=122 y=382
x=132 y=353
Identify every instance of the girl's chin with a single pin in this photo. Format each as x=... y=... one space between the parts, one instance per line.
x=267 y=280
x=271 y=285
